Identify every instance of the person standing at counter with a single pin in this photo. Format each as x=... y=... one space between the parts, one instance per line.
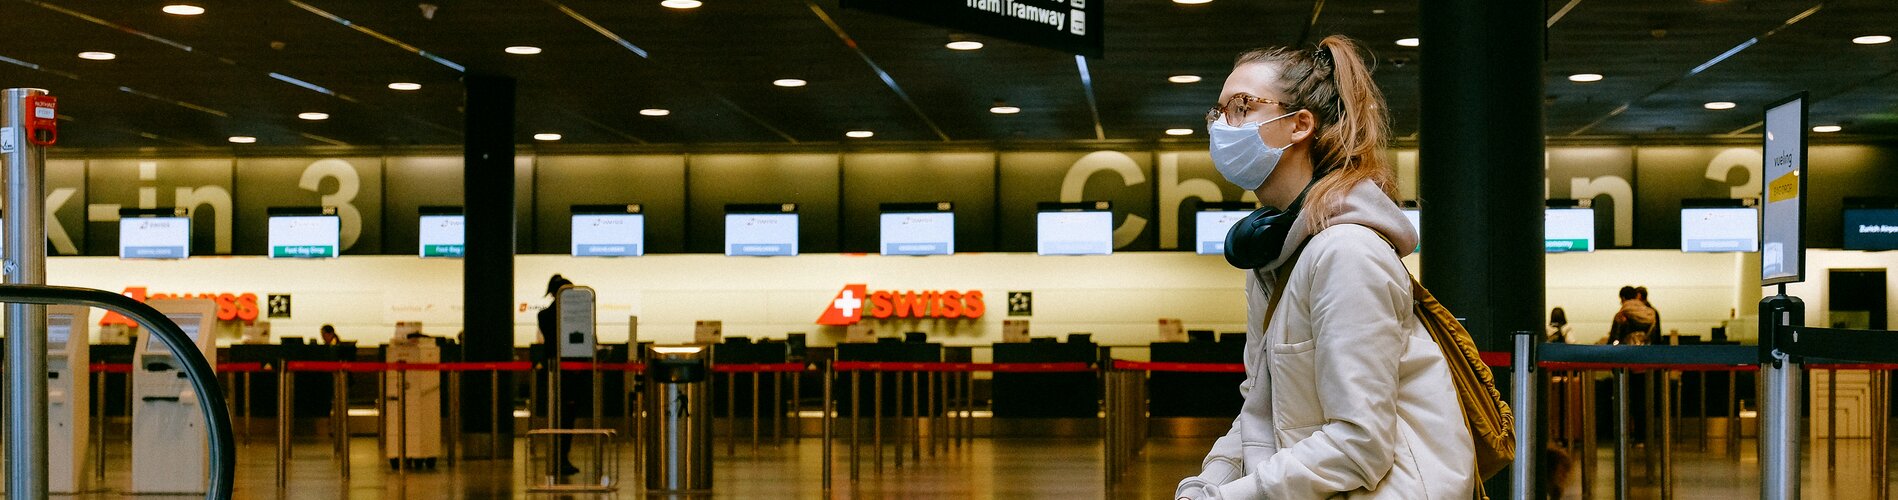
x=329 y=337
x=1634 y=323
x=1558 y=326
x=572 y=384
x=1346 y=393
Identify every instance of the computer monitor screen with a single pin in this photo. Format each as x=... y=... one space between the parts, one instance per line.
x=761 y=234
x=442 y=235
x=154 y=237
x=1871 y=229
x=1728 y=229
x=1210 y=228
x=1087 y=232
x=186 y=321
x=609 y=235
x=58 y=330
x=305 y=236
x=919 y=233
x=1568 y=230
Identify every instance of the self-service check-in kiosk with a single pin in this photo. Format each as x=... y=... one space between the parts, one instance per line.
x=413 y=401
x=168 y=435
x=68 y=398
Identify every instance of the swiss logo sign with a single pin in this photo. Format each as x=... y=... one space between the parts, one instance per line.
x=856 y=301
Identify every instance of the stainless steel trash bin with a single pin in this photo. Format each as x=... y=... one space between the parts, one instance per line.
x=679 y=412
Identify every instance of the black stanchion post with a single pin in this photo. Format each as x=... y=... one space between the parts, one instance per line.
x=1522 y=392
x=1780 y=381
x=1621 y=433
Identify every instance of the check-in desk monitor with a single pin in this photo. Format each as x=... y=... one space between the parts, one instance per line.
x=1074 y=229
x=918 y=229
x=609 y=231
x=442 y=233
x=769 y=231
x=1870 y=227
x=1730 y=229
x=305 y=233
x=1568 y=230
x=168 y=436
x=68 y=399
x=1210 y=228
x=154 y=237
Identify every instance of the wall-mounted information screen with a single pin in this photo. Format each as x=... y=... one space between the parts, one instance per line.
x=1871 y=229
x=761 y=233
x=1728 y=229
x=1210 y=228
x=1568 y=230
x=620 y=234
x=1064 y=229
x=305 y=236
x=913 y=231
x=442 y=235
x=154 y=237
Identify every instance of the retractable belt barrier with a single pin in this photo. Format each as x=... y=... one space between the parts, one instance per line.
x=893 y=366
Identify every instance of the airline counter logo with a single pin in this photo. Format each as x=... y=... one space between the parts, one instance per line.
x=230 y=306
x=856 y=301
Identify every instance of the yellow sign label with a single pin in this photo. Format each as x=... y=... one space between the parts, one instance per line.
x=1786 y=187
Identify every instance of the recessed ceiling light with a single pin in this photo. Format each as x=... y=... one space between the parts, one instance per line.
x=1183 y=78
x=1827 y=129
x=1179 y=131
x=179 y=9
x=522 y=50
x=681 y=4
x=242 y=139
x=1409 y=42
x=98 y=56
x=964 y=45
x=788 y=82
x=1585 y=77
x=1377 y=11
x=314 y=116
x=859 y=134
x=1871 y=40
x=1003 y=109
x=655 y=112
x=1191 y=2
x=546 y=136
x=405 y=86
x=1719 y=105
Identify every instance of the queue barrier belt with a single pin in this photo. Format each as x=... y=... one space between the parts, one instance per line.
x=373 y=366
x=900 y=366
x=1121 y=364
x=583 y=366
x=103 y=367
x=758 y=367
x=241 y=367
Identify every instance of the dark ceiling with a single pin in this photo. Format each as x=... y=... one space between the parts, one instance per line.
x=194 y=81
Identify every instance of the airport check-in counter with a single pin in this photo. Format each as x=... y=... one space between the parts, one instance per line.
x=1175 y=394
x=886 y=349
x=613 y=384
x=314 y=394
x=1046 y=395
x=733 y=391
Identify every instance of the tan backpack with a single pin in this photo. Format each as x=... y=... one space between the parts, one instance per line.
x=1492 y=424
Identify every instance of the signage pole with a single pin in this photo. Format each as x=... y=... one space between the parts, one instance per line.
x=23 y=160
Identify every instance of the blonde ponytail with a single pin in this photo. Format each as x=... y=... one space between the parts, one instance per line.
x=1333 y=81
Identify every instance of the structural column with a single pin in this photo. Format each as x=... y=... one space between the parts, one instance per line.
x=488 y=262
x=1482 y=167
x=24 y=165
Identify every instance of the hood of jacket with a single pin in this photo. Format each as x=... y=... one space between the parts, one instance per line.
x=1365 y=205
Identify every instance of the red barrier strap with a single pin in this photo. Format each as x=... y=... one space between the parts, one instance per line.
x=888 y=366
x=245 y=367
x=1121 y=364
x=1567 y=365
x=484 y=366
x=581 y=366
x=1498 y=359
x=758 y=367
x=103 y=367
x=1852 y=366
x=333 y=366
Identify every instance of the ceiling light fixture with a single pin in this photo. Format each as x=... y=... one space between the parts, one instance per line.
x=1871 y=39
x=1191 y=2
x=1183 y=78
x=1585 y=77
x=1409 y=42
x=1004 y=109
x=1719 y=105
x=1179 y=131
x=681 y=4
x=546 y=136
x=859 y=134
x=242 y=139
x=179 y=9
x=98 y=56
x=788 y=82
x=964 y=45
x=522 y=50
x=1827 y=129
x=655 y=112
x=405 y=86
x=314 y=116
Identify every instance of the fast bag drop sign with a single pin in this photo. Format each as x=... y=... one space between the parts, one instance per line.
x=1072 y=26
x=856 y=302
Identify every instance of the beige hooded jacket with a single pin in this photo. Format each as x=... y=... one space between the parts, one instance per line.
x=1345 y=393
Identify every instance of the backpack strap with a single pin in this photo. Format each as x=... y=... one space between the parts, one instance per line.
x=1284 y=273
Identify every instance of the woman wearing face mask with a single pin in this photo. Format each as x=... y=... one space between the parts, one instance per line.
x=1345 y=391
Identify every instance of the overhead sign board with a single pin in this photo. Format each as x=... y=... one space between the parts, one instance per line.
x=1782 y=248
x=1072 y=26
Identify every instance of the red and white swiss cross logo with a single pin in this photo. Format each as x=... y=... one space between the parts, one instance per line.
x=847 y=308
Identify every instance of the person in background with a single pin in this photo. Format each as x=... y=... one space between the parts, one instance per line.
x=1558 y=326
x=329 y=335
x=572 y=384
x=1654 y=332
x=1634 y=322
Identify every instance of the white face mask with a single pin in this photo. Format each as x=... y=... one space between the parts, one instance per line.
x=1241 y=155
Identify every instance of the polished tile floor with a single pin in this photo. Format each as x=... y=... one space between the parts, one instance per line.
x=984 y=468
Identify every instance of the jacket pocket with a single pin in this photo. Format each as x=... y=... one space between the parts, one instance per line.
x=1295 y=385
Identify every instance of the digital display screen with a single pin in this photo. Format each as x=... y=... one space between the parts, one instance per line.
x=1732 y=229
x=919 y=233
x=58 y=331
x=442 y=235
x=187 y=322
x=1210 y=228
x=1568 y=230
x=305 y=236
x=761 y=235
x=1871 y=229
x=1074 y=233
x=609 y=235
x=154 y=237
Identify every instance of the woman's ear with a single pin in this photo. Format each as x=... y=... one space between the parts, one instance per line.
x=1304 y=125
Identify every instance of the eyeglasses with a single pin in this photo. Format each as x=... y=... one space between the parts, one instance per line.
x=1236 y=108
